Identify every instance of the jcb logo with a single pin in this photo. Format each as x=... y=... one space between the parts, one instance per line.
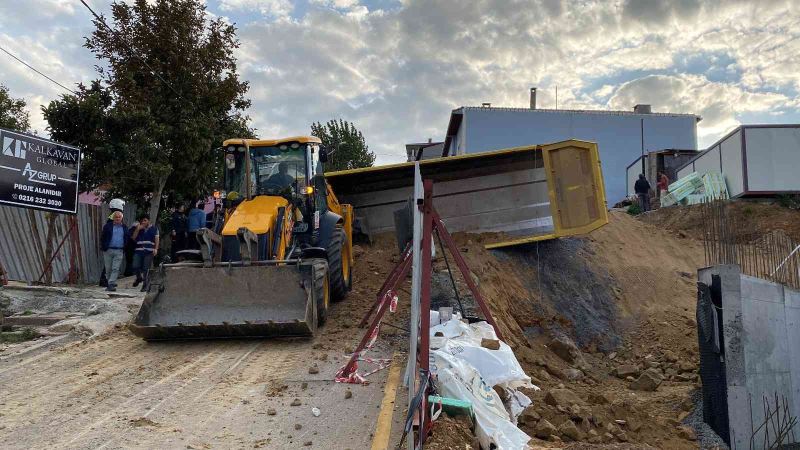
x=13 y=147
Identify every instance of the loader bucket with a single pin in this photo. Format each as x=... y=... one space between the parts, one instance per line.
x=190 y=302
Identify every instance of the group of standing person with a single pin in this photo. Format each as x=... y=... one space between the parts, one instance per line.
x=185 y=226
x=642 y=189
x=140 y=241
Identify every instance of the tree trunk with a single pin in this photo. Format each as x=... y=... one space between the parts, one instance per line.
x=155 y=200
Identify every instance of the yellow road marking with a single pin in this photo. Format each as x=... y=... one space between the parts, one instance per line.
x=383 y=430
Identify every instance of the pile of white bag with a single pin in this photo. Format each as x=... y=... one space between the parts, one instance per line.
x=464 y=370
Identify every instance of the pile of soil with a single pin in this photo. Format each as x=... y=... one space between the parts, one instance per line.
x=758 y=215
x=624 y=296
x=452 y=433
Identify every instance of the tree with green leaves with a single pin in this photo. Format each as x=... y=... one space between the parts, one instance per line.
x=166 y=96
x=13 y=115
x=347 y=144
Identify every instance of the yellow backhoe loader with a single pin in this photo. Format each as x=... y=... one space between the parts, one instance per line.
x=281 y=255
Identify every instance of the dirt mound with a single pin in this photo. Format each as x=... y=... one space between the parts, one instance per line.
x=575 y=296
x=625 y=295
x=452 y=433
x=758 y=215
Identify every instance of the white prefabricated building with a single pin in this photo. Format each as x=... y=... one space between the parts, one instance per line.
x=755 y=160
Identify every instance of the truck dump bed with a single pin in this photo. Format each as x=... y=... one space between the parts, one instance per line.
x=523 y=194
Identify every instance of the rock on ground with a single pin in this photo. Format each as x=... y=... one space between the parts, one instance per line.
x=649 y=380
x=565 y=349
x=544 y=429
x=570 y=431
x=562 y=397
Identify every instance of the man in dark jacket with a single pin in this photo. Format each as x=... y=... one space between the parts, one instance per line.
x=642 y=189
x=116 y=204
x=112 y=242
x=179 y=231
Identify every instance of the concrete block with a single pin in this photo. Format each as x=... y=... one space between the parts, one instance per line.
x=761 y=290
x=738 y=416
x=764 y=321
x=792 y=310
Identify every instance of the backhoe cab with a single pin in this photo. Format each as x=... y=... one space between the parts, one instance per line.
x=284 y=251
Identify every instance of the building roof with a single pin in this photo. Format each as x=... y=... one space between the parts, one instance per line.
x=419 y=147
x=457 y=114
x=580 y=111
x=423 y=144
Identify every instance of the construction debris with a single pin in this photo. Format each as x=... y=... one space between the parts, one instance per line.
x=463 y=364
x=491 y=344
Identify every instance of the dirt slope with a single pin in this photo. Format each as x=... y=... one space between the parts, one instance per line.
x=756 y=215
x=625 y=294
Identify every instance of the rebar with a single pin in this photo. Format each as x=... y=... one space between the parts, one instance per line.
x=778 y=424
x=727 y=239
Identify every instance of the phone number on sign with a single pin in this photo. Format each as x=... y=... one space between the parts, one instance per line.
x=37 y=200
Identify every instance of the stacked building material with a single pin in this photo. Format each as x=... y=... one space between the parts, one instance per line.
x=695 y=189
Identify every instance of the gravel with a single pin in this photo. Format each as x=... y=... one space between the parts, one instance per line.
x=706 y=437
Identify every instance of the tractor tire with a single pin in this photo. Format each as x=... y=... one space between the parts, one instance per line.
x=322 y=293
x=339 y=266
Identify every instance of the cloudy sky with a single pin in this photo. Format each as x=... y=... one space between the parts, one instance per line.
x=397 y=68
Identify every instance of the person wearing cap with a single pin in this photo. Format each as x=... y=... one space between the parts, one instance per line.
x=112 y=242
x=115 y=205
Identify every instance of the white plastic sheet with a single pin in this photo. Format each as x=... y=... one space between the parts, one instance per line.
x=466 y=371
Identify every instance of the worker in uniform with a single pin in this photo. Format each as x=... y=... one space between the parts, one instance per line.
x=147 y=239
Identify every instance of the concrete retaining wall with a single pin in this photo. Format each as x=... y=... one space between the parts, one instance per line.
x=761 y=335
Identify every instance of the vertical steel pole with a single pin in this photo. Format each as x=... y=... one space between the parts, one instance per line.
x=416 y=273
x=425 y=305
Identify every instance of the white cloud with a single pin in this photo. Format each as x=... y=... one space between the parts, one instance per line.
x=397 y=73
x=338 y=4
x=268 y=8
x=717 y=103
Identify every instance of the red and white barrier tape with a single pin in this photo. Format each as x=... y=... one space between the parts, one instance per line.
x=382 y=363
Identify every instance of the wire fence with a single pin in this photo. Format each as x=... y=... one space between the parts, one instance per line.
x=730 y=239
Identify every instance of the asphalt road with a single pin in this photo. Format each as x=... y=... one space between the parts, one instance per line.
x=118 y=391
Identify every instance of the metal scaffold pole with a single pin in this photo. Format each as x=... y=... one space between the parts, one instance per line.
x=416 y=273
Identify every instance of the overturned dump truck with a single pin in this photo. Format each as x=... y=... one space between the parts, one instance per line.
x=522 y=194
x=281 y=255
